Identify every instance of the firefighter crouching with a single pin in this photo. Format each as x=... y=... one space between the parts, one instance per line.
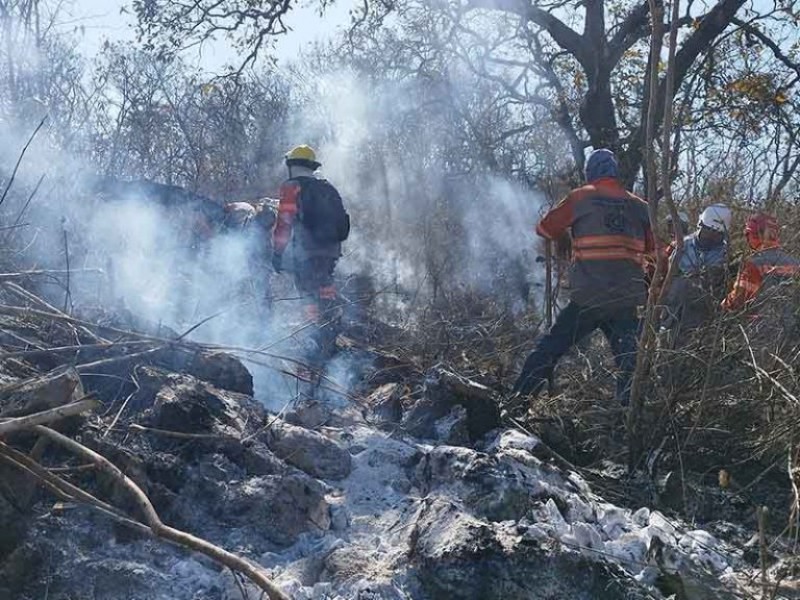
x=312 y=218
x=611 y=243
x=700 y=279
x=251 y=224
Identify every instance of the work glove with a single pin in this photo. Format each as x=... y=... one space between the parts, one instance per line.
x=277 y=262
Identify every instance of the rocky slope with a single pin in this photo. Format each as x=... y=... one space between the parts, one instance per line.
x=409 y=488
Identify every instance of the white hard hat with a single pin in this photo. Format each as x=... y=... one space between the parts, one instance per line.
x=716 y=217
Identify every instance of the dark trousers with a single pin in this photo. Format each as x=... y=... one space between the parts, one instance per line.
x=313 y=278
x=620 y=326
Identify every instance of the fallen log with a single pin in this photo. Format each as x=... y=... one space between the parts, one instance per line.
x=153 y=521
x=47 y=416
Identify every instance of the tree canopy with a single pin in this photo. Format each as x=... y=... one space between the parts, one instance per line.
x=585 y=64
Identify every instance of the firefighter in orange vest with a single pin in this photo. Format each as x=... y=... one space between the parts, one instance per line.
x=611 y=244
x=312 y=217
x=766 y=270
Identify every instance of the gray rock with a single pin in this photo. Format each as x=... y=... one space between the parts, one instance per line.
x=258 y=459
x=458 y=556
x=308 y=450
x=340 y=517
x=443 y=391
x=18 y=568
x=385 y=403
x=220 y=369
x=77 y=557
x=185 y=404
x=494 y=487
x=223 y=371
x=58 y=387
x=452 y=429
x=309 y=413
x=279 y=508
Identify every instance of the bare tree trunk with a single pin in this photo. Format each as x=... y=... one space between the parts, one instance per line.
x=647 y=336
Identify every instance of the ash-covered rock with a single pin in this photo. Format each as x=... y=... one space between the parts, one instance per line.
x=444 y=390
x=48 y=390
x=385 y=403
x=338 y=503
x=307 y=450
x=183 y=403
x=460 y=556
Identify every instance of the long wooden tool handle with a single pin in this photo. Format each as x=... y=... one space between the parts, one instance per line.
x=548 y=282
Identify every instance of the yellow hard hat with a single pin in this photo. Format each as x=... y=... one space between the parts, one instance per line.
x=302 y=155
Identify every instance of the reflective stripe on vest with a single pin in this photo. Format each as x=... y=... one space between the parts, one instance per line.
x=609 y=241
x=608 y=254
x=608 y=227
x=776 y=263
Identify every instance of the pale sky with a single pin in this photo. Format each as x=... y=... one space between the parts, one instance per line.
x=101 y=20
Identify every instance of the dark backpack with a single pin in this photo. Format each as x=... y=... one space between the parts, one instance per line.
x=322 y=212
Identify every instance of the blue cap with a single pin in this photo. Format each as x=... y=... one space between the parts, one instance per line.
x=601 y=163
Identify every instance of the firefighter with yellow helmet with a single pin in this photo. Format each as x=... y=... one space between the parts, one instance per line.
x=313 y=220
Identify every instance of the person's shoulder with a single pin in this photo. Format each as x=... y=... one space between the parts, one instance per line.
x=324 y=181
x=580 y=193
x=587 y=188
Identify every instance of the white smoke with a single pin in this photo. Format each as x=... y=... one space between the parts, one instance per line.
x=397 y=202
x=413 y=221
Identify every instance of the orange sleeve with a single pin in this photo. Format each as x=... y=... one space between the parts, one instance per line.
x=745 y=288
x=558 y=219
x=287 y=212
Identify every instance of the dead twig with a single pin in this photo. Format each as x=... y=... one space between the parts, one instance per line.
x=124 y=404
x=21 y=292
x=176 y=434
x=794 y=514
x=67 y=291
x=761 y=514
x=12 y=228
x=35 y=272
x=75 y=348
x=19 y=159
x=17 y=226
x=240 y=585
x=116 y=359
